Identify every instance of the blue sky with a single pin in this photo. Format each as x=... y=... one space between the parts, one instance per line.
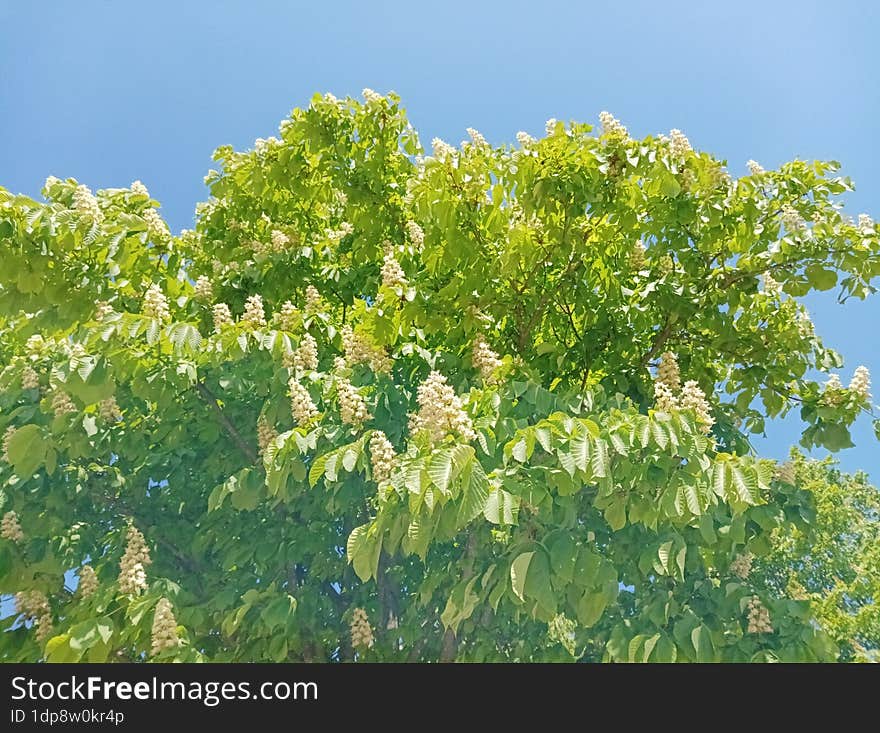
x=109 y=92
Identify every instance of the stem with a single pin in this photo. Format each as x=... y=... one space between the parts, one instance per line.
x=231 y=430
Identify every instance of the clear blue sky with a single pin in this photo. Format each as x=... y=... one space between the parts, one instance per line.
x=109 y=92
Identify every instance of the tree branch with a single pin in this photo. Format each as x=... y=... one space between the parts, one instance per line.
x=230 y=429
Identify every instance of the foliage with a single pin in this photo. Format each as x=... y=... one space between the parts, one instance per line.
x=834 y=564
x=531 y=506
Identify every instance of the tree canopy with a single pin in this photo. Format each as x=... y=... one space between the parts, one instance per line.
x=492 y=403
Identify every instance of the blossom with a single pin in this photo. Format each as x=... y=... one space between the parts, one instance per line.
x=668 y=371
x=287 y=316
x=755 y=168
x=442 y=150
x=203 y=290
x=833 y=392
x=792 y=220
x=352 y=406
x=88 y=581
x=415 y=233
x=359 y=350
x=305 y=356
x=611 y=125
x=477 y=138
x=30 y=379
x=637 y=256
x=440 y=411
x=785 y=473
x=253 y=315
x=679 y=145
x=485 y=360
x=139 y=189
x=771 y=286
x=102 y=310
x=361 y=631
x=279 y=240
x=265 y=434
x=222 y=316
x=758 y=617
x=301 y=406
x=382 y=456
x=393 y=275
x=742 y=565
x=550 y=125
x=134 y=562
x=61 y=403
x=693 y=398
x=860 y=384
x=156 y=225
x=371 y=96
x=109 y=410
x=524 y=139
x=164 y=632
x=664 y=398
x=7 y=437
x=866 y=224
x=86 y=205
x=10 y=528
x=155 y=304
x=313 y=299
x=33 y=604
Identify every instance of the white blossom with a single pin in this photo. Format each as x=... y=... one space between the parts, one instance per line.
x=485 y=360
x=164 y=632
x=440 y=411
x=524 y=139
x=477 y=138
x=550 y=125
x=415 y=234
x=693 y=398
x=371 y=96
x=155 y=304
x=86 y=205
x=139 y=189
x=203 y=290
x=10 y=528
x=301 y=405
x=382 y=456
x=361 y=631
x=313 y=299
x=134 y=562
x=758 y=617
x=352 y=406
x=442 y=150
x=679 y=145
x=88 y=581
x=866 y=224
x=254 y=316
x=755 y=168
x=668 y=371
x=222 y=316
x=611 y=125
x=860 y=384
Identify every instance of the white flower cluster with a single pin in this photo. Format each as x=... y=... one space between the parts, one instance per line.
x=664 y=397
x=305 y=356
x=7 y=436
x=313 y=299
x=156 y=225
x=792 y=220
x=222 y=316
x=164 y=632
x=35 y=344
x=550 y=125
x=279 y=240
x=88 y=581
x=804 y=324
x=666 y=264
x=611 y=125
x=477 y=138
x=86 y=204
x=679 y=145
x=61 y=403
x=393 y=275
x=860 y=384
x=155 y=304
x=866 y=224
x=109 y=410
x=301 y=406
x=334 y=235
x=741 y=566
x=755 y=168
x=254 y=316
x=442 y=150
x=139 y=189
x=265 y=434
x=358 y=350
x=759 y=617
x=668 y=372
x=415 y=233
x=361 y=631
x=203 y=290
x=833 y=393
x=440 y=410
x=371 y=96
x=524 y=139
x=33 y=604
x=485 y=360
x=134 y=562
x=637 y=256
x=352 y=406
x=382 y=456
x=102 y=310
x=772 y=286
x=30 y=379
x=10 y=527
x=287 y=316
x=693 y=398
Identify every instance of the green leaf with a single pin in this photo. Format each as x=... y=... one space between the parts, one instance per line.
x=27 y=449
x=519 y=568
x=440 y=469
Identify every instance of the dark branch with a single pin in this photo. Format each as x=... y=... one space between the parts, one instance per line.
x=230 y=429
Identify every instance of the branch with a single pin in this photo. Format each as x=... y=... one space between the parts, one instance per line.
x=659 y=342
x=231 y=430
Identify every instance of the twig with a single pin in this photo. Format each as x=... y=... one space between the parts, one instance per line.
x=232 y=431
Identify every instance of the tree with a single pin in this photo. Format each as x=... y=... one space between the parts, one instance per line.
x=383 y=406
x=834 y=564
